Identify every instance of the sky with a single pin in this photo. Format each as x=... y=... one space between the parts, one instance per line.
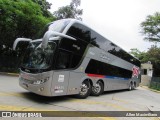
x=117 y=20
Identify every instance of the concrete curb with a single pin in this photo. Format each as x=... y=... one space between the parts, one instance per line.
x=146 y=87
x=9 y=74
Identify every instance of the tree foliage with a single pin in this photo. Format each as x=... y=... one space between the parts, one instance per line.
x=142 y=56
x=152 y=55
x=18 y=18
x=69 y=11
x=44 y=7
x=151 y=28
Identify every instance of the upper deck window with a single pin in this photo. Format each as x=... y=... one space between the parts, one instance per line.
x=80 y=31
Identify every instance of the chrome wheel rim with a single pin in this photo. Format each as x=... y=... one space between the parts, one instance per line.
x=83 y=89
x=96 y=88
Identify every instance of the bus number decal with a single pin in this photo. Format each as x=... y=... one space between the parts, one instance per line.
x=59 y=89
x=61 y=78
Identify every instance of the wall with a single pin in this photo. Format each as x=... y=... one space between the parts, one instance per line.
x=146 y=73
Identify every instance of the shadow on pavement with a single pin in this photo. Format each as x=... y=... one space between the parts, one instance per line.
x=43 y=99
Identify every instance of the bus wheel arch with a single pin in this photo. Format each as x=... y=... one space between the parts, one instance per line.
x=98 y=88
x=85 y=89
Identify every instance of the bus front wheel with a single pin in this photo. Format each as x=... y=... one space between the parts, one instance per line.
x=85 y=90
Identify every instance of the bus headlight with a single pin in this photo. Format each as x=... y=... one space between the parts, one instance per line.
x=37 y=82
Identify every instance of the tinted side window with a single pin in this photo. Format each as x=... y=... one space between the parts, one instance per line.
x=77 y=47
x=80 y=31
x=97 y=39
x=117 y=51
x=97 y=67
x=84 y=33
x=108 y=46
x=67 y=60
x=75 y=60
x=63 y=60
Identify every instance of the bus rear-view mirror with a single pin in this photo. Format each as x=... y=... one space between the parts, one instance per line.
x=20 y=40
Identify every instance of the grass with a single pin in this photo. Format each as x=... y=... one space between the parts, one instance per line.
x=155 y=85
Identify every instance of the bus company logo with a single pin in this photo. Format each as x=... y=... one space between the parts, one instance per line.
x=6 y=114
x=135 y=71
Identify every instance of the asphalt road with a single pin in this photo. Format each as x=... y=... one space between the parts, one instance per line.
x=15 y=98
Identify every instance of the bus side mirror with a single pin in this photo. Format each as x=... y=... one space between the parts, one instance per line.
x=20 y=40
x=52 y=35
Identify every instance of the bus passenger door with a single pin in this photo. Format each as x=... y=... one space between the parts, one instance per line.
x=61 y=74
x=60 y=83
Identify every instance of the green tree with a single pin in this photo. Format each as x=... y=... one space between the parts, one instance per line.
x=135 y=52
x=45 y=5
x=151 y=28
x=18 y=18
x=142 y=56
x=69 y=11
x=153 y=55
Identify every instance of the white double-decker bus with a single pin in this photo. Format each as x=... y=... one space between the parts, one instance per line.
x=70 y=58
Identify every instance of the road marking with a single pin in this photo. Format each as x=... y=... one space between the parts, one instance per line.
x=27 y=108
x=20 y=108
x=75 y=100
x=101 y=103
x=91 y=102
x=120 y=100
x=11 y=94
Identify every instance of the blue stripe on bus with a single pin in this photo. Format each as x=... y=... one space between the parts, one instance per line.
x=114 y=77
x=104 y=76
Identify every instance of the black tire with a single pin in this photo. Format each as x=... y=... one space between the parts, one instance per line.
x=134 y=86
x=130 y=86
x=85 y=90
x=98 y=89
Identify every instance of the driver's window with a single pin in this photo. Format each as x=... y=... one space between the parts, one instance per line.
x=63 y=60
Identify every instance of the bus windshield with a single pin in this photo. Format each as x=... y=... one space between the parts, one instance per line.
x=38 y=58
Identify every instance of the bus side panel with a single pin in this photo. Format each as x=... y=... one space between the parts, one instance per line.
x=115 y=84
x=75 y=82
x=124 y=83
x=60 y=83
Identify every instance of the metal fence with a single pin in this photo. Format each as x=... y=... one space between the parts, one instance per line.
x=155 y=83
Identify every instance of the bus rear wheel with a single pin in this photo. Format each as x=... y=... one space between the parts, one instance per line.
x=134 y=86
x=85 y=90
x=97 y=89
x=130 y=86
